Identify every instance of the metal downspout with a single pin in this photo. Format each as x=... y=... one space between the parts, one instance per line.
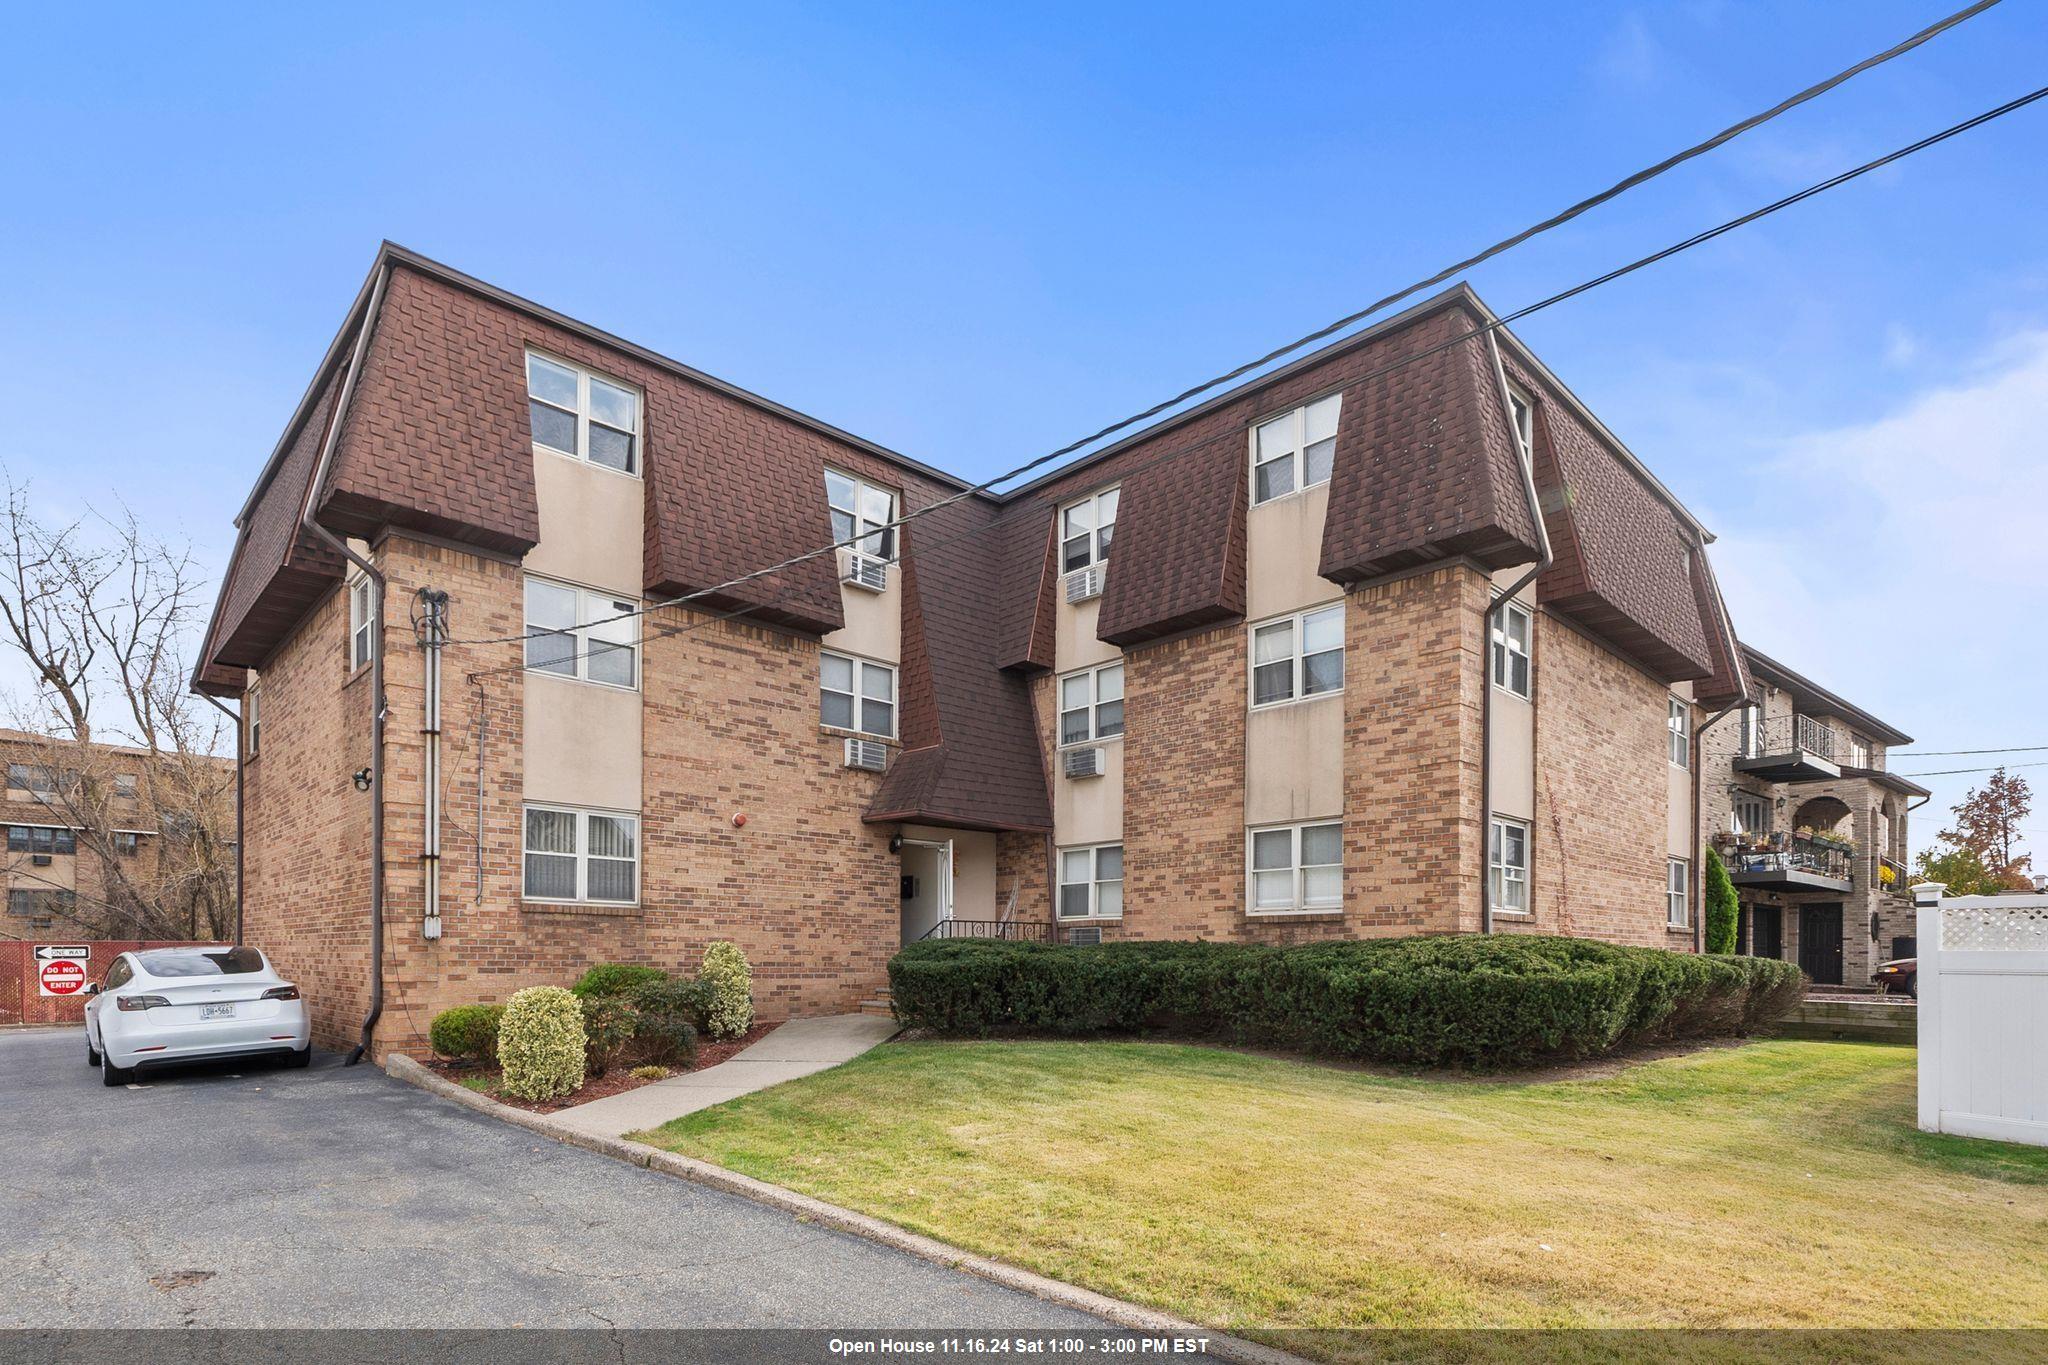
x=1525 y=461
x=241 y=760
x=308 y=519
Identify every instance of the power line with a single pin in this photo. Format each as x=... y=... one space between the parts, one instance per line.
x=1697 y=239
x=1958 y=753
x=1955 y=772
x=1332 y=328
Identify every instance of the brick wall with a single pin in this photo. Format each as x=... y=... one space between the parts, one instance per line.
x=1600 y=843
x=306 y=902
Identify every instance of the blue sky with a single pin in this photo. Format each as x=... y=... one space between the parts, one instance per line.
x=973 y=233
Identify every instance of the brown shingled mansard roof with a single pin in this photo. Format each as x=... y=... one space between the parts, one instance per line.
x=435 y=440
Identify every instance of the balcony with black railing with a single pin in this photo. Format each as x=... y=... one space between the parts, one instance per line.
x=1791 y=749
x=1783 y=862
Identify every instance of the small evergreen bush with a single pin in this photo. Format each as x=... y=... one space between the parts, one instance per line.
x=1722 y=907
x=731 y=983
x=667 y=1017
x=608 y=1025
x=1483 y=1001
x=649 y=1073
x=616 y=978
x=467 y=1033
x=541 y=1044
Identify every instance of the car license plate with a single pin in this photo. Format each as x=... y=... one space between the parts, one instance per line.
x=216 y=1011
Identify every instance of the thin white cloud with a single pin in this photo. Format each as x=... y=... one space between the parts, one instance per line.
x=1910 y=564
x=1630 y=56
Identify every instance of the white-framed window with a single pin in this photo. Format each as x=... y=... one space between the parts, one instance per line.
x=861 y=509
x=1092 y=882
x=126 y=785
x=1295 y=450
x=1298 y=656
x=582 y=855
x=1859 y=752
x=856 y=694
x=1677 y=725
x=1678 y=909
x=1522 y=411
x=252 y=712
x=1751 y=738
x=362 y=640
x=1086 y=528
x=1092 y=704
x=1749 y=814
x=1295 y=869
x=1507 y=866
x=584 y=415
x=573 y=632
x=1511 y=627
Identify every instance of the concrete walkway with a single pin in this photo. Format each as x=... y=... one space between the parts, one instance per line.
x=798 y=1048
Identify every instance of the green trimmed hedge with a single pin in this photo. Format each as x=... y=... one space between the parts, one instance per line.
x=1482 y=1001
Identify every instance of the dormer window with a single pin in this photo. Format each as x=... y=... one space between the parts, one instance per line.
x=1086 y=528
x=861 y=509
x=1295 y=450
x=582 y=415
x=1522 y=413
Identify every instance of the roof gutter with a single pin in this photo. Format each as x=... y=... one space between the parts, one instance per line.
x=308 y=518
x=1526 y=462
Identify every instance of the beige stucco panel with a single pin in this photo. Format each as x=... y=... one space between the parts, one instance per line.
x=592 y=524
x=874 y=621
x=1680 y=824
x=1283 y=546
x=583 y=743
x=1090 y=810
x=1513 y=746
x=1074 y=642
x=1294 y=761
x=974 y=868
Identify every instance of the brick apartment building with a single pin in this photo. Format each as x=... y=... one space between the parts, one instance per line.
x=1281 y=709
x=90 y=829
x=1797 y=800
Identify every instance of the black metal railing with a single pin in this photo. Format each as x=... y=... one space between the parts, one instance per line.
x=1822 y=857
x=989 y=928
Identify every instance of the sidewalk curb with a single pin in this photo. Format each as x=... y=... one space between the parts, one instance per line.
x=1222 y=1346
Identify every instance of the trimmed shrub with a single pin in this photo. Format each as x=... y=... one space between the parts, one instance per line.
x=667 y=1017
x=608 y=1024
x=649 y=1073
x=1462 y=1001
x=1722 y=906
x=540 y=1043
x=615 y=978
x=468 y=1033
x=731 y=982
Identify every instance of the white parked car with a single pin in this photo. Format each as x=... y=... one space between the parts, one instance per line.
x=165 y=1005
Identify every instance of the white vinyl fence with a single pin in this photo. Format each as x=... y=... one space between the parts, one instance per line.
x=1983 y=982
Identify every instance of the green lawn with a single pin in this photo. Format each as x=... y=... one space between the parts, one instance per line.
x=1774 y=1184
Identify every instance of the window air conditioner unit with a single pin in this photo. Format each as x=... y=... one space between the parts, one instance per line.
x=869 y=754
x=866 y=571
x=1084 y=762
x=1084 y=938
x=41 y=859
x=1083 y=584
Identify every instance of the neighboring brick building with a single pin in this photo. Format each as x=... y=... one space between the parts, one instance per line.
x=93 y=830
x=1265 y=718
x=1796 y=799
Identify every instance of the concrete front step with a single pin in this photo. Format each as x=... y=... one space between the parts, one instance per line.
x=1870 y=1019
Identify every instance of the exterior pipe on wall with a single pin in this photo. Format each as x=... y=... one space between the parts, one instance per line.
x=433 y=634
x=241 y=761
x=308 y=518
x=1525 y=461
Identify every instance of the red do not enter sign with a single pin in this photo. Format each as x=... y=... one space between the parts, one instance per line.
x=62 y=978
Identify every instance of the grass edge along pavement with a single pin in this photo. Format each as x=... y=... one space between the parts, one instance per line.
x=1773 y=1184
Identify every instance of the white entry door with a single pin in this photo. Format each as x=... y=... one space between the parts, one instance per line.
x=927 y=867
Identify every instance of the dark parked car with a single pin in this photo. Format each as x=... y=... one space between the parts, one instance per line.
x=1899 y=976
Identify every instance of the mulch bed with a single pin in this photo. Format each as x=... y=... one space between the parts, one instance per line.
x=614 y=1082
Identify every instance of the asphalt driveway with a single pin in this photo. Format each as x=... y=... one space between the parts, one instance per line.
x=262 y=1197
